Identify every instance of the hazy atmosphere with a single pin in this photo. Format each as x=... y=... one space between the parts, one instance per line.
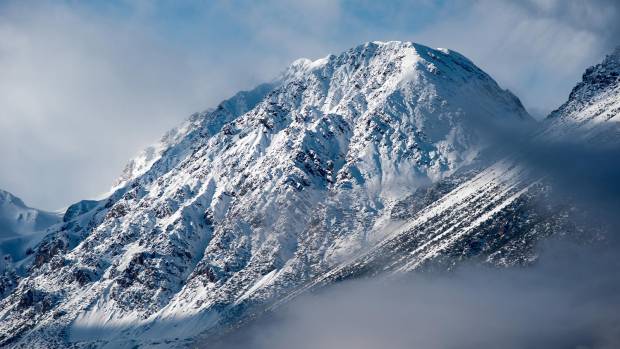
x=85 y=85
x=476 y=307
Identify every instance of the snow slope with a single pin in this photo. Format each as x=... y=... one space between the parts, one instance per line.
x=21 y=228
x=263 y=194
x=17 y=219
x=593 y=107
x=20 y=225
x=498 y=214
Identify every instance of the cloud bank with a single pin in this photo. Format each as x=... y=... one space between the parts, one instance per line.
x=568 y=300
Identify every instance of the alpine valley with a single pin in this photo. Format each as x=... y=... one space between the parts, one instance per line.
x=384 y=159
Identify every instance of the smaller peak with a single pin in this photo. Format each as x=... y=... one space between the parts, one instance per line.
x=612 y=60
x=595 y=81
x=7 y=197
x=605 y=73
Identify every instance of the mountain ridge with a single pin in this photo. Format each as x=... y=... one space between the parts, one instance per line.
x=272 y=189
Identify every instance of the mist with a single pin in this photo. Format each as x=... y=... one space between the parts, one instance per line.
x=569 y=299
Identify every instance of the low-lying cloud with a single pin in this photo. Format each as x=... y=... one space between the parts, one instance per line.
x=569 y=299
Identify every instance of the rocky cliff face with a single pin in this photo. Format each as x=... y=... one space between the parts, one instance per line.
x=340 y=167
x=593 y=107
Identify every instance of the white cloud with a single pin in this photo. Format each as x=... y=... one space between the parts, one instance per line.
x=79 y=95
x=557 y=303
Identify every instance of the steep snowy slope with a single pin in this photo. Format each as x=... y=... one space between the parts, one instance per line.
x=593 y=108
x=20 y=226
x=256 y=197
x=17 y=219
x=498 y=214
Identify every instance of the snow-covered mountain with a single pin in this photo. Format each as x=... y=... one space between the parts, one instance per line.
x=491 y=214
x=593 y=107
x=21 y=228
x=368 y=160
x=498 y=214
x=20 y=224
x=18 y=219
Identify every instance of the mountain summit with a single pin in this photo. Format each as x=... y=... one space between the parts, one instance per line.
x=259 y=196
x=591 y=110
x=17 y=219
x=20 y=227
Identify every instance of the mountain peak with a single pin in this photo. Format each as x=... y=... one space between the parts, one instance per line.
x=598 y=78
x=350 y=83
x=386 y=51
x=614 y=58
x=17 y=218
x=605 y=73
x=591 y=111
x=8 y=198
x=274 y=185
x=375 y=70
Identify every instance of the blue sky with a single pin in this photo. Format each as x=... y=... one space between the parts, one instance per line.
x=85 y=85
